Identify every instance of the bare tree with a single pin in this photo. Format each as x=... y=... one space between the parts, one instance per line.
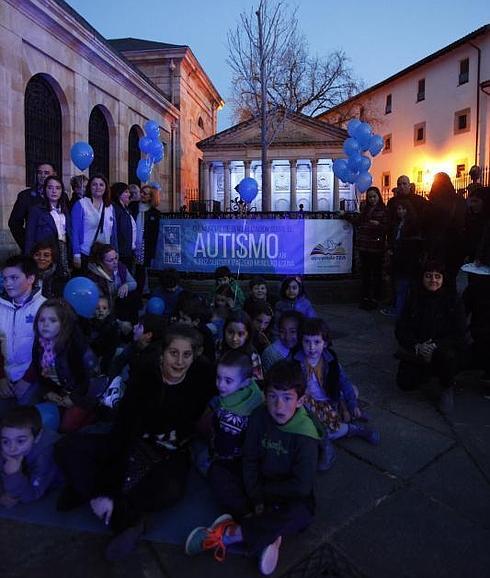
x=296 y=80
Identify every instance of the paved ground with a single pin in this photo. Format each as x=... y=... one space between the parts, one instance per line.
x=416 y=506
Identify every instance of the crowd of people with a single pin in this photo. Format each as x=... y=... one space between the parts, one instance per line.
x=116 y=408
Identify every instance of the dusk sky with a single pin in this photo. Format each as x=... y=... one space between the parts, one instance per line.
x=380 y=37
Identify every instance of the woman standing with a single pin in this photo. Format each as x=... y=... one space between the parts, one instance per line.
x=142 y=466
x=371 y=237
x=125 y=224
x=50 y=222
x=92 y=220
x=147 y=218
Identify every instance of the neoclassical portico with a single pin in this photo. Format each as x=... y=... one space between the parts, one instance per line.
x=299 y=165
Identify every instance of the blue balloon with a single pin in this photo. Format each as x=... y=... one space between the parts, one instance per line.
x=363 y=135
x=376 y=144
x=156 y=151
x=145 y=143
x=155 y=306
x=352 y=126
x=354 y=162
x=50 y=415
x=82 y=155
x=82 y=294
x=248 y=189
x=350 y=176
x=152 y=129
x=364 y=181
x=364 y=164
x=339 y=166
x=143 y=170
x=351 y=146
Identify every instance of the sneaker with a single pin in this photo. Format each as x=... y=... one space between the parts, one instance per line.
x=124 y=543
x=202 y=539
x=269 y=557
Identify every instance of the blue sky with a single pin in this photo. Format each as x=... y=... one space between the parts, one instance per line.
x=381 y=37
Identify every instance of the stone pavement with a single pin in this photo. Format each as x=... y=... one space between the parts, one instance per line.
x=416 y=506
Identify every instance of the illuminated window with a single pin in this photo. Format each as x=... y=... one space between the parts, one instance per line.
x=460 y=170
x=419 y=133
x=420 y=177
x=388 y=104
x=462 y=120
x=421 y=90
x=386 y=180
x=387 y=147
x=464 y=71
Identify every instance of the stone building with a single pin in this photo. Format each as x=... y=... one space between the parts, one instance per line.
x=434 y=115
x=300 y=165
x=63 y=82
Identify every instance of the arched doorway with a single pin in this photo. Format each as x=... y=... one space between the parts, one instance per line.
x=98 y=138
x=134 y=154
x=42 y=116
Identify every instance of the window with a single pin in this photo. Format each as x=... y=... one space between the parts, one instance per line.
x=200 y=123
x=42 y=117
x=98 y=138
x=421 y=90
x=386 y=182
x=419 y=133
x=387 y=147
x=464 y=71
x=134 y=154
x=420 y=177
x=362 y=113
x=462 y=121
x=388 y=104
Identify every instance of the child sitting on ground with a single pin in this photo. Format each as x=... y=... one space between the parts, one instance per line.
x=27 y=464
x=293 y=297
x=285 y=346
x=194 y=312
x=330 y=395
x=103 y=333
x=169 y=290
x=258 y=293
x=223 y=276
x=261 y=315
x=280 y=456
x=238 y=334
x=238 y=396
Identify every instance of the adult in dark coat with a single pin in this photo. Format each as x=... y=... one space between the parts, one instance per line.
x=404 y=191
x=50 y=221
x=126 y=225
x=432 y=335
x=27 y=199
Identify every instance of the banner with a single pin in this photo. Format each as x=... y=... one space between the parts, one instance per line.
x=275 y=246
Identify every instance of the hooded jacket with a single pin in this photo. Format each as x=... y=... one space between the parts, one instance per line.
x=17 y=333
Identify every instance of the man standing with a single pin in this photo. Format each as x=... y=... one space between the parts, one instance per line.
x=404 y=191
x=27 y=199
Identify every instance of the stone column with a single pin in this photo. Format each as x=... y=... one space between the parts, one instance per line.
x=210 y=196
x=336 y=195
x=314 y=184
x=267 y=194
x=293 y=201
x=226 y=186
x=205 y=181
x=247 y=164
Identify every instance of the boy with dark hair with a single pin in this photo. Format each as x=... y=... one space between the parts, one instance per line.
x=18 y=308
x=280 y=457
x=28 y=467
x=223 y=276
x=238 y=396
x=258 y=293
x=194 y=312
x=169 y=289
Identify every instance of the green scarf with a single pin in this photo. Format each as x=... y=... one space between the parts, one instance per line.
x=243 y=401
x=302 y=424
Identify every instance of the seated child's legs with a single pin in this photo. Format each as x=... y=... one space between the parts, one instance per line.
x=225 y=478
x=277 y=520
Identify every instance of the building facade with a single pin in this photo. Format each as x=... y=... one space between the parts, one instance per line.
x=62 y=82
x=434 y=115
x=299 y=161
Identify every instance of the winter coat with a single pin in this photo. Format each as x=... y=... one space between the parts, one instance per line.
x=17 y=333
x=41 y=227
x=26 y=200
x=372 y=238
x=109 y=285
x=124 y=226
x=151 y=231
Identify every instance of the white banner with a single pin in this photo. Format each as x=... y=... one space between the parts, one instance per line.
x=327 y=246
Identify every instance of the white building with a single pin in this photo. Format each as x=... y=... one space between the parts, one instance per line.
x=434 y=115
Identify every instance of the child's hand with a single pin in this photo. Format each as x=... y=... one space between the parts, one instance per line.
x=66 y=402
x=138 y=331
x=123 y=291
x=12 y=465
x=102 y=507
x=8 y=501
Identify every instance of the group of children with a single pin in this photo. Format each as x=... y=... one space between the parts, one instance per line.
x=256 y=379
